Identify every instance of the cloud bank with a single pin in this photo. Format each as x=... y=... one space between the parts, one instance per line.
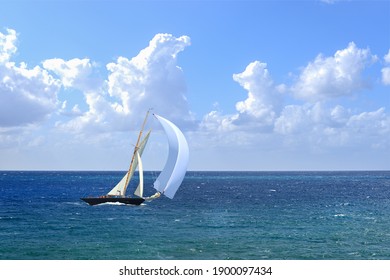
x=77 y=97
x=73 y=103
x=151 y=79
x=313 y=120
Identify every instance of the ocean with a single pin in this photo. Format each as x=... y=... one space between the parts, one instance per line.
x=214 y=216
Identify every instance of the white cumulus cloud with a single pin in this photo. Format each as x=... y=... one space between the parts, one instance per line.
x=335 y=76
x=258 y=111
x=152 y=79
x=73 y=73
x=386 y=70
x=26 y=95
x=262 y=99
x=7 y=45
x=387 y=57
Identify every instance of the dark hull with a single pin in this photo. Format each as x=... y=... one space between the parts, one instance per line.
x=125 y=200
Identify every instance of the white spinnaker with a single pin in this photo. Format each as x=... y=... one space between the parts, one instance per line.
x=175 y=168
x=119 y=189
x=140 y=189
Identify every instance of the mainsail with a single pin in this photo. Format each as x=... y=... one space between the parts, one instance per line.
x=175 y=168
x=120 y=188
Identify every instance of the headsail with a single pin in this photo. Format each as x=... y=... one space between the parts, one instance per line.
x=175 y=168
x=140 y=189
x=120 y=188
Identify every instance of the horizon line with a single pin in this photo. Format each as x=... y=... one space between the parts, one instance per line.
x=197 y=170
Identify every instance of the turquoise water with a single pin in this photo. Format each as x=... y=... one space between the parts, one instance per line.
x=214 y=215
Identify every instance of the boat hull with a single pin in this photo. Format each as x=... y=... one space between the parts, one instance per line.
x=125 y=200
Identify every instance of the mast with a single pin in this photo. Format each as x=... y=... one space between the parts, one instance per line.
x=135 y=151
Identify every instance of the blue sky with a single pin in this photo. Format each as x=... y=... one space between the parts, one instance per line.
x=255 y=85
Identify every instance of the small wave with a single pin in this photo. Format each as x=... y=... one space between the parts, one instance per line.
x=7 y=218
x=340 y=215
x=74 y=203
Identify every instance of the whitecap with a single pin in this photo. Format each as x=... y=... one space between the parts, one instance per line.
x=340 y=215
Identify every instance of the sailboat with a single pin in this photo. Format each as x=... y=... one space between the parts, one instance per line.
x=168 y=181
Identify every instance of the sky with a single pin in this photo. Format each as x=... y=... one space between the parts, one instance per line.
x=254 y=85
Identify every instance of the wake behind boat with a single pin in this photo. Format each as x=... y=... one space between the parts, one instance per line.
x=167 y=182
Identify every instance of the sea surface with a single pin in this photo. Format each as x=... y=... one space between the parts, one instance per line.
x=214 y=215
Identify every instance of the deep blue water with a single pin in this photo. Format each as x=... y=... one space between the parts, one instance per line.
x=214 y=215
